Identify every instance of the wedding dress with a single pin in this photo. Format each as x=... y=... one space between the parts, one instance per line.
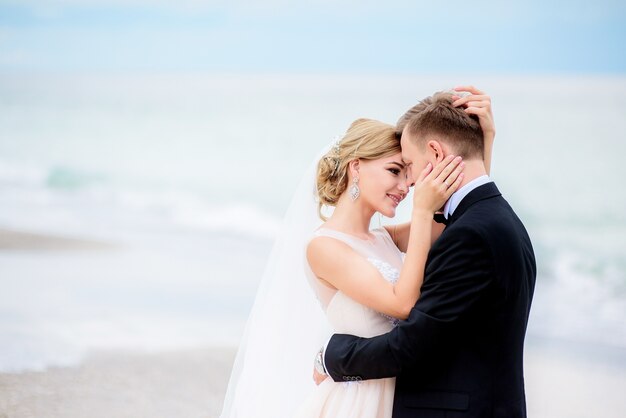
x=356 y=398
x=271 y=376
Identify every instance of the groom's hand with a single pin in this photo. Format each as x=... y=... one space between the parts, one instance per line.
x=318 y=377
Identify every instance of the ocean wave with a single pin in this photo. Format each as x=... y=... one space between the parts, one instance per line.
x=56 y=176
x=22 y=174
x=191 y=211
x=581 y=298
x=68 y=178
x=54 y=197
x=581 y=291
x=240 y=219
x=67 y=343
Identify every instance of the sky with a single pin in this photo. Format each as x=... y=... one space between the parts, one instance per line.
x=316 y=36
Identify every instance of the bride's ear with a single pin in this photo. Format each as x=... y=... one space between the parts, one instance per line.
x=353 y=166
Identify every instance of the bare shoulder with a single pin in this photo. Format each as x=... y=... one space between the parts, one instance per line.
x=329 y=259
x=391 y=230
x=399 y=234
x=323 y=251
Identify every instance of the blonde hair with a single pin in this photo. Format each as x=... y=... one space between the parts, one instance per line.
x=365 y=139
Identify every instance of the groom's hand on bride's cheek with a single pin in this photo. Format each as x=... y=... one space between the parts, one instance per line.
x=318 y=378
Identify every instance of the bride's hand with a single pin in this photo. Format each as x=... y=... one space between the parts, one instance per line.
x=434 y=186
x=318 y=378
x=479 y=104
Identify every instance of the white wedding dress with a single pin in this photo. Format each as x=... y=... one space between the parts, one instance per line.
x=271 y=375
x=356 y=399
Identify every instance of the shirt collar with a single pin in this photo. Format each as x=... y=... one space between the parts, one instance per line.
x=457 y=196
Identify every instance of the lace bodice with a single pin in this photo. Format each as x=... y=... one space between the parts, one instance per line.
x=346 y=315
x=391 y=274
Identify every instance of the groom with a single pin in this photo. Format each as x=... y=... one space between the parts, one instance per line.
x=460 y=352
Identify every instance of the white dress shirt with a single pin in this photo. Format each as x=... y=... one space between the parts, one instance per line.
x=460 y=194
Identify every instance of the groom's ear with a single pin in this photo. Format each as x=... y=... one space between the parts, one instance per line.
x=435 y=148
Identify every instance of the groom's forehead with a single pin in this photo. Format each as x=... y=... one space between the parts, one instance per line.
x=408 y=152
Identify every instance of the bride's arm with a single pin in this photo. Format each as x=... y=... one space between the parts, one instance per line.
x=479 y=104
x=400 y=233
x=337 y=264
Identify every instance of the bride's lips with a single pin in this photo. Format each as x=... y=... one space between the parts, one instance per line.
x=396 y=198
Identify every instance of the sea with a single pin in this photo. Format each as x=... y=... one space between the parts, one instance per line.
x=186 y=176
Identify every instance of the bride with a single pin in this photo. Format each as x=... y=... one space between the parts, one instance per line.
x=357 y=274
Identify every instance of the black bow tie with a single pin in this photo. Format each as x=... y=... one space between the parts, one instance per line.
x=440 y=219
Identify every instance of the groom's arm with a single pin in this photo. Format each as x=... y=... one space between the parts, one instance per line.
x=456 y=281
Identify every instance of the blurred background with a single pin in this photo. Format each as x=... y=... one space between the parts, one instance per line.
x=148 y=150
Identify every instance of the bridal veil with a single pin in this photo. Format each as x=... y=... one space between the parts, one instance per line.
x=272 y=373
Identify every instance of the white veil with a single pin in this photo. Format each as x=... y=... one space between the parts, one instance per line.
x=272 y=373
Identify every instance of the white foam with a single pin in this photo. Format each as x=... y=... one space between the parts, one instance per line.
x=574 y=304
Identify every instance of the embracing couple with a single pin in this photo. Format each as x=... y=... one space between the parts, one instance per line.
x=429 y=317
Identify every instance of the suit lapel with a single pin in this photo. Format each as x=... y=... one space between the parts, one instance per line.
x=486 y=191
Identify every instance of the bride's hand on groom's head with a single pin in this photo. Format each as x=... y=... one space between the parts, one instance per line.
x=479 y=104
x=436 y=184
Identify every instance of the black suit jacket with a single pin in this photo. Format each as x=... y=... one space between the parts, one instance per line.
x=460 y=352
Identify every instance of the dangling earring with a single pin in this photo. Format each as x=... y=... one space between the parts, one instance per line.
x=354 y=189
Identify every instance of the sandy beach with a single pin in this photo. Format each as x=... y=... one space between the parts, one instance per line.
x=121 y=384
x=193 y=383
x=28 y=241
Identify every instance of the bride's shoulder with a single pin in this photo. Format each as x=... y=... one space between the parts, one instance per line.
x=389 y=235
x=323 y=252
x=383 y=232
x=321 y=242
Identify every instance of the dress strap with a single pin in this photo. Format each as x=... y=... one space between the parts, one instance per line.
x=351 y=240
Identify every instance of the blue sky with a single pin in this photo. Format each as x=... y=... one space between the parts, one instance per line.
x=317 y=36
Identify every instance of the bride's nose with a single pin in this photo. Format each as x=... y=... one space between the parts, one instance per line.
x=409 y=178
x=403 y=186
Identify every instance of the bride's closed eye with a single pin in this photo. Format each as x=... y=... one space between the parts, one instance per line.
x=395 y=171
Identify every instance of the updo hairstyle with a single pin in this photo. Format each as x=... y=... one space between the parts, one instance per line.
x=365 y=139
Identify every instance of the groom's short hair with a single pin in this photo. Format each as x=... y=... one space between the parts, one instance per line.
x=435 y=115
x=411 y=113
